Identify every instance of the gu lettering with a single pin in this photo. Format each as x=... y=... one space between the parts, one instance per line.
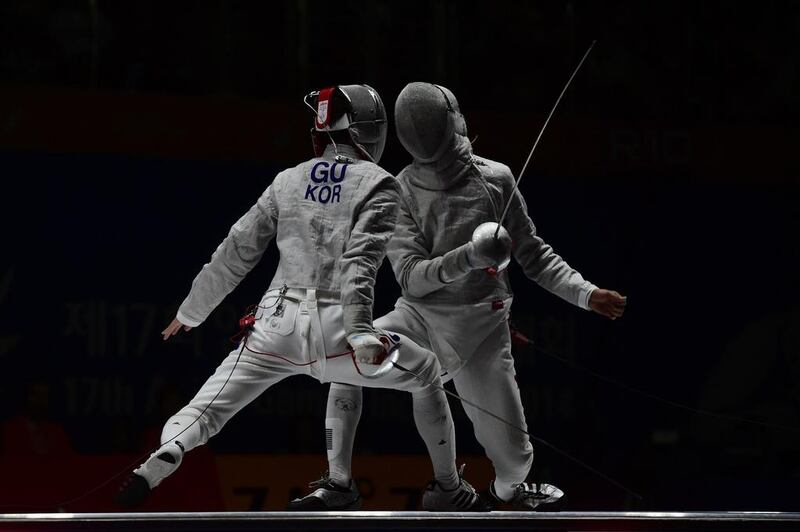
x=327 y=179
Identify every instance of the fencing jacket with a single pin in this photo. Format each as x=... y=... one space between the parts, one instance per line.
x=331 y=222
x=440 y=209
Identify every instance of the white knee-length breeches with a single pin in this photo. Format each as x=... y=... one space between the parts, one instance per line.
x=305 y=336
x=488 y=378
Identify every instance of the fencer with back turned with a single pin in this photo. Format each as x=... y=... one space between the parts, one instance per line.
x=456 y=295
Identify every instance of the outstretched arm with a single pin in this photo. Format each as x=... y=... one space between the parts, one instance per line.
x=608 y=303
x=541 y=264
x=233 y=259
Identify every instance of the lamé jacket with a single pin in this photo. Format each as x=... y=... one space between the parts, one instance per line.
x=440 y=215
x=442 y=204
x=331 y=222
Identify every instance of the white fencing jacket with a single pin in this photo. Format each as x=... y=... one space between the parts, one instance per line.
x=440 y=208
x=331 y=222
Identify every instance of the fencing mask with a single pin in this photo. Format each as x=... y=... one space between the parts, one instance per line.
x=427 y=118
x=356 y=109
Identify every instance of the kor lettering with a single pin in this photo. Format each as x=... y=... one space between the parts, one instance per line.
x=321 y=174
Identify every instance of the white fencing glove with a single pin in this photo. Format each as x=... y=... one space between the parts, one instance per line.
x=488 y=250
x=479 y=254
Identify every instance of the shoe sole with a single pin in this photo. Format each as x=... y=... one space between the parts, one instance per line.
x=316 y=505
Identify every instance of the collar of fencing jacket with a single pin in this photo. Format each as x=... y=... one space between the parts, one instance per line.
x=344 y=151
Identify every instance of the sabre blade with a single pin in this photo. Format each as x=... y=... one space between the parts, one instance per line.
x=530 y=154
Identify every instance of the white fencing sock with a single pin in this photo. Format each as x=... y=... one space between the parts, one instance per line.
x=435 y=425
x=341 y=422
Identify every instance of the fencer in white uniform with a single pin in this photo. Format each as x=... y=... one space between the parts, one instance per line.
x=331 y=218
x=450 y=302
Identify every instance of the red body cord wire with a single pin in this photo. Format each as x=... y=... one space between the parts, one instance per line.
x=245 y=335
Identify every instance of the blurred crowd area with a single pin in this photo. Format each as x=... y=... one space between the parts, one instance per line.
x=705 y=61
x=673 y=91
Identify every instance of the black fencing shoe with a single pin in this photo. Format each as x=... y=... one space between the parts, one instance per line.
x=529 y=496
x=328 y=496
x=133 y=492
x=162 y=463
x=463 y=498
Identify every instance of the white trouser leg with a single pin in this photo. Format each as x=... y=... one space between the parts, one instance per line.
x=345 y=400
x=431 y=410
x=284 y=334
x=488 y=379
x=402 y=321
x=435 y=425
x=249 y=380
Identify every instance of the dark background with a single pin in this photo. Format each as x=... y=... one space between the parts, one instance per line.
x=133 y=134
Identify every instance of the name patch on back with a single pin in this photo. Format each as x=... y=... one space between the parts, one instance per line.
x=326 y=184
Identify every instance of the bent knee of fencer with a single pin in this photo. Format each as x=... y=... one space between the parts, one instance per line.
x=426 y=379
x=431 y=407
x=190 y=428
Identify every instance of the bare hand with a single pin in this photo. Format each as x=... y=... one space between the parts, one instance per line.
x=608 y=303
x=173 y=329
x=367 y=348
